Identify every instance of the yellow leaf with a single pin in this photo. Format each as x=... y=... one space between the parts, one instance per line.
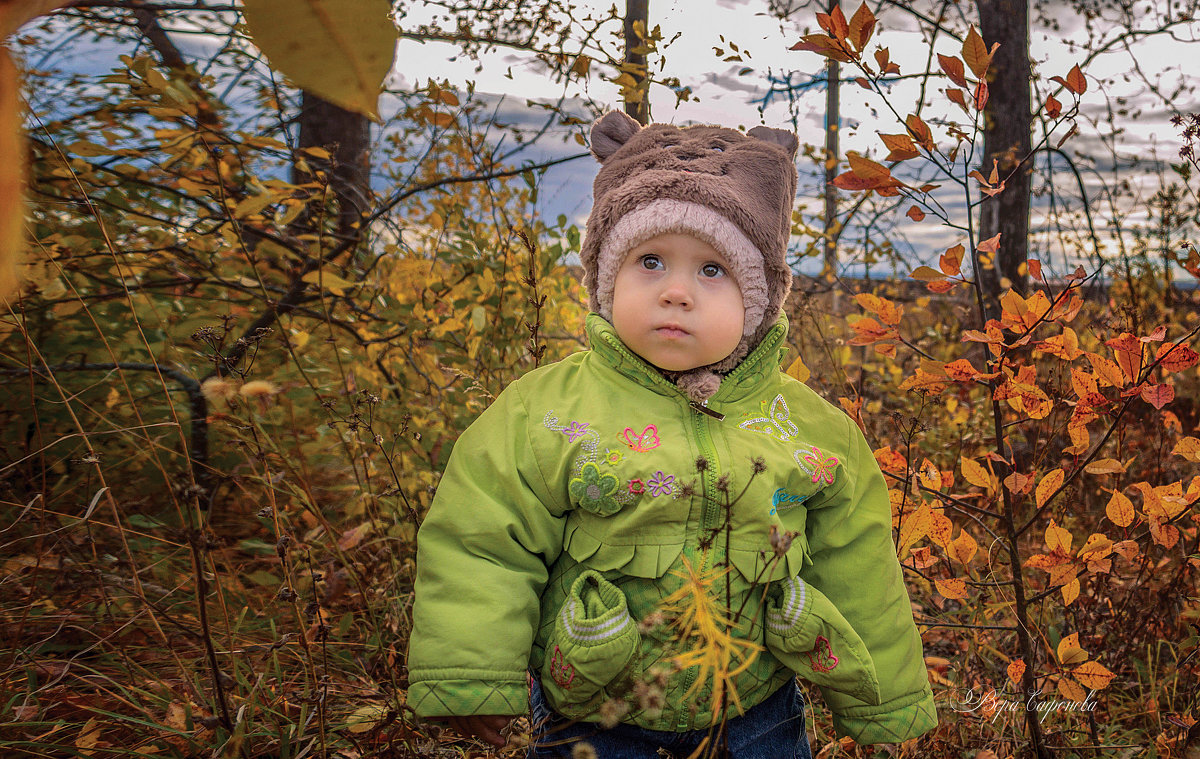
x=798 y=370
x=951 y=588
x=1072 y=690
x=1119 y=509
x=940 y=528
x=1049 y=484
x=338 y=50
x=89 y=736
x=1105 y=466
x=253 y=204
x=1016 y=669
x=1057 y=538
x=1093 y=675
x=963 y=548
x=1069 y=651
x=365 y=718
x=1189 y=448
x=974 y=473
x=915 y=526
x=1098 y=546
x=328 y=280
x=1070 y=592
x=1108 y=372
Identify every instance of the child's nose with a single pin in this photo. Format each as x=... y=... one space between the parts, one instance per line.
x=676 y=293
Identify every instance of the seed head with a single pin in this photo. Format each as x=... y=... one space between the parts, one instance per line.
x=701 y=464
x=611 y=712
x=258 y=389
x=583 y=750
x=781 y=542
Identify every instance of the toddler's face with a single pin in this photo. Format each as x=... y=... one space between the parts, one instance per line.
x=676 y=305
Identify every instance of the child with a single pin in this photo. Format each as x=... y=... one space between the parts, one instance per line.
x=581 y=498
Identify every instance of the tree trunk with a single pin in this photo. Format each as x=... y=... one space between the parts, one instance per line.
x=832 y=123
x=637 y=105
x=1006 y=139
x=347 y=137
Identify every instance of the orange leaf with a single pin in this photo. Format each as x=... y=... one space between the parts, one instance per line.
x=862 y=24
x=1127 y=548
x=1072 y=690
x=920 y=131
x=1083 y=383
x=1093 y=675
x=822 y=45
x=891 y=461
x=1166 y=535
x=926 y=274
x=940 y=528
x=866 y=168
x=887 y=311
x=915 y=213
x=951 y=588
x=975 y=53
x=962 y=549
x=1016 y=669
x=1128 y=352
x=990 y=245
x=901 y=146
x=951 y=261
x=1105 y=466
x=941 y=286
x=1098 y=546
x=1049 y=484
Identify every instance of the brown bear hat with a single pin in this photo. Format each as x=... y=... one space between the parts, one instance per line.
x=734 y=191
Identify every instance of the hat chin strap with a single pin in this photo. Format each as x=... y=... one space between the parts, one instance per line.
x=679 y=217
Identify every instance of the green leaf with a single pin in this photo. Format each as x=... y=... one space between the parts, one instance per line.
x=340 y=50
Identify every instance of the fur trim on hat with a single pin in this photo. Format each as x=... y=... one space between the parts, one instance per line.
x=672 y=216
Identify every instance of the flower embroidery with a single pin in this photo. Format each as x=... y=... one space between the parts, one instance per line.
x=647 y=441
x=821 y=657
x=776 y=421
x=637 y=487
x=594 y=490
x=575 y=430
x=612 y=458
x=817 y=464
x=661 y=484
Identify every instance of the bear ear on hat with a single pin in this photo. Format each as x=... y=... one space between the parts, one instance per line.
x=784 y=139
x=610 y=132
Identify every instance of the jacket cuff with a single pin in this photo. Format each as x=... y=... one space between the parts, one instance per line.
x=464 y=698
x=895 y=722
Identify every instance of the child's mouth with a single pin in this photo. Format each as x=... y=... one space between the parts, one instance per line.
x=671 y=330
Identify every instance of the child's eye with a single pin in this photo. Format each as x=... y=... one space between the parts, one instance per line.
x=712 y=270
x=651 y=261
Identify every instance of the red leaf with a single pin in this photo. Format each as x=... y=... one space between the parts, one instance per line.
x=920 y=131
x=915 y=213
x=953 y=68
x=1158 y=395
x=862 y=24
x=822 y=45
x=863 y=82
x=1075 y=80
x=1053 y=107
x=1035 y=269
x=958 y=97
x=951 y=261
x=981 y=95
x=1176 y=357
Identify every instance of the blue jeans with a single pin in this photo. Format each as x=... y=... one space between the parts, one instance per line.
x=774 y=729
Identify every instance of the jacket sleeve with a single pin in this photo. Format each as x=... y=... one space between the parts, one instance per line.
x=854 y=563
x=482 y=556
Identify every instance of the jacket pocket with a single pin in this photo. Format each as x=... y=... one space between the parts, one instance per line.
x=593 y=642
x=810 y=636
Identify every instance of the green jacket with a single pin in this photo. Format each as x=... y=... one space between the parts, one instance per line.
x=566 y=514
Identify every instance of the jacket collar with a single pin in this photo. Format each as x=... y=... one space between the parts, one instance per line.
x=762 y=363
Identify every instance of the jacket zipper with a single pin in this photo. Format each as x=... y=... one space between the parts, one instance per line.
x=710 y=511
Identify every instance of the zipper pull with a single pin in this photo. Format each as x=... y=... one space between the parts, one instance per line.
x=704 y=409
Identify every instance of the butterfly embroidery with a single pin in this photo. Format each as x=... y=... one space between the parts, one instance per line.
x=821 y=657
x=816 y=464
x=776 y=421
x=647 y=441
